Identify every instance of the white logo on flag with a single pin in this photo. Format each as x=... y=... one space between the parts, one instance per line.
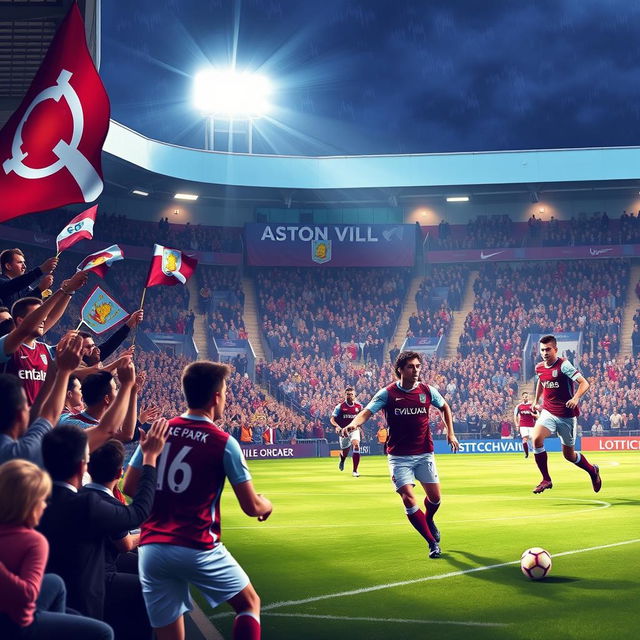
x=69 y=156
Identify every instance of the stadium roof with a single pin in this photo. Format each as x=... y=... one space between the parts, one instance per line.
x=134 y=161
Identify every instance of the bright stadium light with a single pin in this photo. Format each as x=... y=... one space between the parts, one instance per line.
x=458 y=199
x=186 y=196
x=231 y=94
x=140 y=192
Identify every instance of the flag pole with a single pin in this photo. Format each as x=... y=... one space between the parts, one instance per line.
x=135 y=335
x=78 y=327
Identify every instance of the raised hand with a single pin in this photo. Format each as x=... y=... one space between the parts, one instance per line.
x=135 y=319
x=152 y=442
x=148 y=414
x=126 y=371
x=69 y=352
x=45 y=283
x=74 y=283
x=49 y=265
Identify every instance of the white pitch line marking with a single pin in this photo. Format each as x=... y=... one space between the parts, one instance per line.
x=394 y=620
x=341 y=525
x=442 y=576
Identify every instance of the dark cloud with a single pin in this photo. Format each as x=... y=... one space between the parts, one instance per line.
x=380 y=76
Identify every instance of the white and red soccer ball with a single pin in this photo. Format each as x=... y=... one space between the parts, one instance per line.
x=535 y=563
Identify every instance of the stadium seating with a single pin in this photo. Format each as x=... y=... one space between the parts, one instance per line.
x=309 y=312
x=514 y=300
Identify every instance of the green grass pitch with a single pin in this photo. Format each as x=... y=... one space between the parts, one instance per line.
x=338 y=558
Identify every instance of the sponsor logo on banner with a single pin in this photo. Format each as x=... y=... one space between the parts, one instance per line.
x=486 y=256
x=599 y=252
x=621 y=443
x=389 y=234
x=321 y=251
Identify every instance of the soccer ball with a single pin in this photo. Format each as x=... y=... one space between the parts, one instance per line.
x=535 y=563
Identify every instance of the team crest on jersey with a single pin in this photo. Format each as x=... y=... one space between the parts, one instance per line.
x=44 y=359
x=423 y=397
x=555 y=373
x=321 y=251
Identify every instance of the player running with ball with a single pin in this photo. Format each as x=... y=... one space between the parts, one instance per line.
x=406 y=406
x=559 y=412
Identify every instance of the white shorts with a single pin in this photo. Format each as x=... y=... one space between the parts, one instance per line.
x=564 y=428
x=167 y=570
x=345 y=443
x=525 y=432
x=406 y=469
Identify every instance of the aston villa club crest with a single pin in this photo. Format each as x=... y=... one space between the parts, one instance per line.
x=423 y=397
x=171 y=261
x=44 y=359
x=555 y=373
x=321 y=251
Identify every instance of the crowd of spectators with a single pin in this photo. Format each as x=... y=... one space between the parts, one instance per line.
x=162 y=388
x=515 y=300
x=251 y=408
x=166 y=308
x=318 y=312
x=613 y=402
x=118 y=228
x=596 y=228
x=221 y=298
x=499 y=231
x=482 y=232
x=452 y=278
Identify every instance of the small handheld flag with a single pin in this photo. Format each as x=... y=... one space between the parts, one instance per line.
x=100 y=261
x=101 y=312
x=169 y=267
x=79 y=228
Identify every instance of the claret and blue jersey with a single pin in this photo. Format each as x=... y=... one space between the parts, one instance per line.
x=556 y=381
x=193 y=466
x=407 y=414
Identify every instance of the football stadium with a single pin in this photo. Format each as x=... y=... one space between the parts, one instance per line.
x=412 y=365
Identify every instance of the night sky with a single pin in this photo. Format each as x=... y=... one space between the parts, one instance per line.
x=386 y=76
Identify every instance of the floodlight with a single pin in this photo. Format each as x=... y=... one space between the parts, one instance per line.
x=231 y=94
x=140 y=192
x=185 y=196
x=458 y=199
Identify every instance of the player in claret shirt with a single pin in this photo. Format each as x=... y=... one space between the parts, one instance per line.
x=342 y=415
x=180 y=540
x=559 y=412
x=524 y=417
x=406 y=406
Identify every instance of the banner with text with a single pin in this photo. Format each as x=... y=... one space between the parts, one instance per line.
x=331 y=245
x=496 y=446
x=533 y=253
x=610 y=443
x=265 y=452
